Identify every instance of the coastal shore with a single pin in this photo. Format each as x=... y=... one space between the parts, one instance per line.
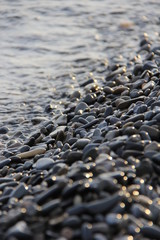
x=92 y=171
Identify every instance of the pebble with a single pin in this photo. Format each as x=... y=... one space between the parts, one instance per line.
x=31 y=153
x=44 y=163
x=90 y=98
x=82 y=106
x=4 y=162
x=20 y=191
x=108 y=111
x=102 y=206
x=50 y=206
x=81 y=143
x=127 y=103
x=153 y=132
x=62 y=120
x=108 y=90
x=4 y=130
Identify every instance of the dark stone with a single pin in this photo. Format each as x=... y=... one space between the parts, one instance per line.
x=24 y=148
x=135 y=146
x=153 y=132
x=72 y=221
x=74 y=156
x=90 y=98
x=4 y=130
x=48 y=108
x=82 y=106
x=54 y=190
x=134 y=118
x=81 y=143
x=127 y=103
x=20 y=191
x=108 y=111
x=4 y=162
x=85 y=83
x=128 y=153
x=103 y=205
x=152 y=232
x=50 y=206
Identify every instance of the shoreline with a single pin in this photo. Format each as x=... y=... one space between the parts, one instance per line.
x=92 y=172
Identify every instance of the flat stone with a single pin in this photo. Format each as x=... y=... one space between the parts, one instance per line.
x=87 y=82
x=31 y=153
x=119 y=89
x=44 y=163
x=127 y=103
x=81 y=143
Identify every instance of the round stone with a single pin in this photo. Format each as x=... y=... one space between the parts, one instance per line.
x=44 y=163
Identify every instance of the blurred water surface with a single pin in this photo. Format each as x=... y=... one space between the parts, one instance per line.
x=43 y=44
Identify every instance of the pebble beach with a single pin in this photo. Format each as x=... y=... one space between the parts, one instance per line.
x=80 y=120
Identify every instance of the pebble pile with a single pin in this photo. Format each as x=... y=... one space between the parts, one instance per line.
x=91 y=173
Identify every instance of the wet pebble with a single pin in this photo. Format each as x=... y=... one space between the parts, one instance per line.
x=81 y=107
x=4 y=130
x=20 y=191
x=90 y=98
x=44 y=163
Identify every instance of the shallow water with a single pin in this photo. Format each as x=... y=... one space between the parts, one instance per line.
x=48 y=47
